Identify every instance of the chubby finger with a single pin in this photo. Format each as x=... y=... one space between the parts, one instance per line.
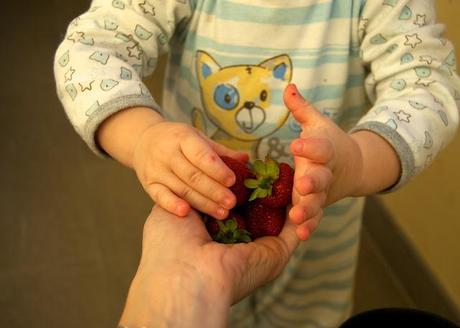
x=200 y=153
x=319 y=150
x=191 y=196
x=317 y=179
x=166 y=199
x=305 y=230
x=199 y=181
x=301 y=109
x=308 y=207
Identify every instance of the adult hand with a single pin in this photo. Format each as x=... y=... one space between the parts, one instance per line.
x=185 y=279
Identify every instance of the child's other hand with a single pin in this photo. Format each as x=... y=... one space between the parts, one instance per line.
x=328 y=164
x=180 y=167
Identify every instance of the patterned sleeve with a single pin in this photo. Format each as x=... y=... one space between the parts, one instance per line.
x=106 y=52
x=412 y=81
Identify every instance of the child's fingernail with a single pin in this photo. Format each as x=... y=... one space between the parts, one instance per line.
x=228 y=202
x=182 y=209
x=230 y=181
x=294 y=91
x=220 y=213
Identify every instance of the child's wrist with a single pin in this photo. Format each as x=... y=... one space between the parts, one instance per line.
x=356 y=169
x=119 y=134
x=380 y=166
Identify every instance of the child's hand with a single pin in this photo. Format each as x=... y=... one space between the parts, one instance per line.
x=180 y=167
x=328 y=164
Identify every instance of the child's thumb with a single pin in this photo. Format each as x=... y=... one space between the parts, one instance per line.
x=300 y=108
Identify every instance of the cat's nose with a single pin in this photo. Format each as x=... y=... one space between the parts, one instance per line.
x=249 y=104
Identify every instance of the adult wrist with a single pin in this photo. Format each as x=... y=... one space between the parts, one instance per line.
x=179 y=299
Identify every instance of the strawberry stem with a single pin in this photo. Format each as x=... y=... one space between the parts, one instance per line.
x=266 y=174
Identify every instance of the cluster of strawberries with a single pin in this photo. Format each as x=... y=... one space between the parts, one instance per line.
x=263 y=191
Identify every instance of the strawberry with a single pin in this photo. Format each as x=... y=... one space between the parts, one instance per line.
x=231 y=230
x=242 y=173
x=273 y=183
x=264 y=221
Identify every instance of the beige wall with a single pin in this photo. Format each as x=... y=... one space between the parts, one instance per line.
x=428 y=209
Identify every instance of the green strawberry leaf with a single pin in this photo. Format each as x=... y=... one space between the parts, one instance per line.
x=245 y=239
x=221 y=225
x=272 y=168
x=232 y=225
x=259 y=168
x=229 y=233
x=251 y=183
x=258 y=193
x=265 y=183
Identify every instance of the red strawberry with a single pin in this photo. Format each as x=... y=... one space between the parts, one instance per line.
x=264 y=221
x=231 y=230
x=242 y=173
x=273 y=183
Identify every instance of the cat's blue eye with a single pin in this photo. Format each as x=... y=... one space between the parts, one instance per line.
x=226 y=96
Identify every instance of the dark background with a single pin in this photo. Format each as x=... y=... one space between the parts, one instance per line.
x=70 y=223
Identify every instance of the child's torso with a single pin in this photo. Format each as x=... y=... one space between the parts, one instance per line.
x=230 y=64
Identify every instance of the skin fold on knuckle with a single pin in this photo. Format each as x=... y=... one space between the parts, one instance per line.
x=184 y=192
x=195 y=177
x=159 y=196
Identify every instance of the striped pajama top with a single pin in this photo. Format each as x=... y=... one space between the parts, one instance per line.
x=377 y=65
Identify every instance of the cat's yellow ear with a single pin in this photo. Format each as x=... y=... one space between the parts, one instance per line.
x=205 y=65
x=281 y=67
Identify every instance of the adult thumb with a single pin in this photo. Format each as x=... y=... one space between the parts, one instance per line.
x=300 y=108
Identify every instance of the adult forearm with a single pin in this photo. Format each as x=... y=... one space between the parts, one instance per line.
x=380 y=165
x=174 y=300
x=119 y=134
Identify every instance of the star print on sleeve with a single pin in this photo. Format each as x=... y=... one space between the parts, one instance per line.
x=135 y=51
x=424 y=83
x=413 y=90
x=426 y=59
x=147 y=8
x=403 y=116
x=80 y=37
x=76 y=37
x=412 y=40
x=86 y=86
x=69 y=74
x=420 y=21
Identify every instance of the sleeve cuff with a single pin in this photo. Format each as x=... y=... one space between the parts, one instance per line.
x=109 y=108
x=399 y=144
